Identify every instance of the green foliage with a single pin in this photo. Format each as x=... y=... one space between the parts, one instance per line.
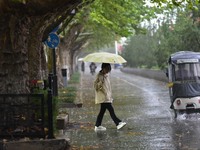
x=190 y=4
x=68 y=94
x=54 y=105
x=117 y=16
x=75 y=78
x=140 y=52
x=110 y=20
x=182 y=34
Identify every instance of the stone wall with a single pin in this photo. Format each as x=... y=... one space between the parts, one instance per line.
x=148 y=73
x=49 y=144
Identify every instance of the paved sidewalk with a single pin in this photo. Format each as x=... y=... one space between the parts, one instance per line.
x=80 y=130
x=137 y=134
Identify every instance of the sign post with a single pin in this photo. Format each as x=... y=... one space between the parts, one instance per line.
x=52 y=42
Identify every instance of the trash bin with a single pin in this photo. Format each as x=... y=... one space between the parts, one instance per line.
x=64 y=75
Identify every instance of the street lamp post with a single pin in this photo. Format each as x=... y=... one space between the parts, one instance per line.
x=55 y=83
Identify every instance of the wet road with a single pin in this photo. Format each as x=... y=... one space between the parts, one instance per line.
x=142 y=103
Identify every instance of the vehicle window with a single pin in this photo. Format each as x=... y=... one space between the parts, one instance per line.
x=195 y=69
x=181 y=72
x=190 y=71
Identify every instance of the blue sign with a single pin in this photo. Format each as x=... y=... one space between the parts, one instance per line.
x=53 y=40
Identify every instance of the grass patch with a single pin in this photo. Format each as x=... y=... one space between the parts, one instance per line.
x=68 y=94
x=75 y=78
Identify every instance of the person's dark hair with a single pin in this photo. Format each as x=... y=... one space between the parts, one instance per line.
x=106 y=65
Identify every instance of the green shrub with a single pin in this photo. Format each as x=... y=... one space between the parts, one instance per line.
x=54 y=105
x=75 y=78
x=67 y=95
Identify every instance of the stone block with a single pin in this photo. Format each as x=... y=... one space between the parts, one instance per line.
x=51 y=144
x=62 y=121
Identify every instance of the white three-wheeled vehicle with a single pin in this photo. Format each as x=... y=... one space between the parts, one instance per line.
x=184 y=82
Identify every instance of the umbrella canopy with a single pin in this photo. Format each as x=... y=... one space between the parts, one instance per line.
x=104 y=57
x=80 y=59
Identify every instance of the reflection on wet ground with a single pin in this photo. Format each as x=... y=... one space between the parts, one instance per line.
x=144 y=105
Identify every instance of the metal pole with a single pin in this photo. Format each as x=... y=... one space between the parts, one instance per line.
x=50 y=115
x=50 y=80
x=116 y=49
x=55 y=84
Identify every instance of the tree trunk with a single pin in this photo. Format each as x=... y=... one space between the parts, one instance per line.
x=23 y=28
x=14 y=54
x=66 y=46
x=36 y=53
x=60 y=65
x=20 y=54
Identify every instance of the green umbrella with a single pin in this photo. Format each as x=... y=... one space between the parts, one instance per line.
x=104 y=57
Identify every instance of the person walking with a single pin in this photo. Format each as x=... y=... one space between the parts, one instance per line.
x=92 y=68
x=83 y=67
x=103 y=96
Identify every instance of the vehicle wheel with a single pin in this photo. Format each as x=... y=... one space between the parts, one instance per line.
x=175 y=113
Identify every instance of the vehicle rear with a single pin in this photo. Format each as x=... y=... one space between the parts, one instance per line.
x=184 y=81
